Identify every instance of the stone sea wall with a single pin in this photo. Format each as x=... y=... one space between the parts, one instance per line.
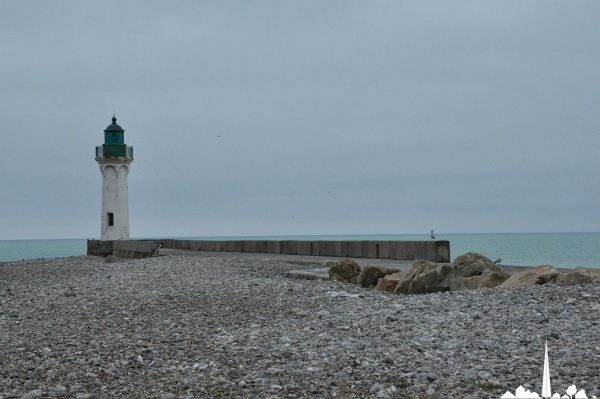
x=432 y=250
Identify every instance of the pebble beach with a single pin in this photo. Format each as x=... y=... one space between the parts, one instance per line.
x=226 y=327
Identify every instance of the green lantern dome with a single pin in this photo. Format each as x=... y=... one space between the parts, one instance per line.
x=114 y=142
x=113 y=125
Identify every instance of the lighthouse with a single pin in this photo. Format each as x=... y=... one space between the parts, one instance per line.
x=114 y=158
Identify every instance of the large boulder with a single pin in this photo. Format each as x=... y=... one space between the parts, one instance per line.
x=593 y=272
x=544 y=274
x=474 y=264
x=493 y=278
x=424 y=277
x=579 y=276
x=455 y=282
x=489 y=279
x=370 y=275
x=345 y=270
x=388 y=283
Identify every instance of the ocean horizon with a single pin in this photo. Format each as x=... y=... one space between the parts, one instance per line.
x=565 y=250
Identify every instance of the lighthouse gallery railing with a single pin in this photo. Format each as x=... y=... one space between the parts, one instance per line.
x=100 y=152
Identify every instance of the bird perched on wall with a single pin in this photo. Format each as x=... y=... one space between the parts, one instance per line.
x=499 y=259
x=432 y=235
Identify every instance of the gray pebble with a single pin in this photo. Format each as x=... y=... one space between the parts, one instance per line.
x=185 y=327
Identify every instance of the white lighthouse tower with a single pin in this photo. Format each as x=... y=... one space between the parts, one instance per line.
x=114 y=158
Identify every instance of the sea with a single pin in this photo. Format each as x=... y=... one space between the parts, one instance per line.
x=564 y=250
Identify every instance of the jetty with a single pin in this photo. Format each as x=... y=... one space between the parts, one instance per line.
x=432 y=250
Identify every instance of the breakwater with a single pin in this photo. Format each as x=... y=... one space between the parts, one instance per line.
x=432 y=250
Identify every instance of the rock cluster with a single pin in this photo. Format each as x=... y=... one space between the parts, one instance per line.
x=547 y=274
x=370 y=275
x=468 y=272
x=348 y=271
x=186 y=327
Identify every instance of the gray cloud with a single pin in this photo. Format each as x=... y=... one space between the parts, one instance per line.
x=302 y=117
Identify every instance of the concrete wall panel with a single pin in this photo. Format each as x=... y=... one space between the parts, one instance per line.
x=99 y=248
x=289 y=247
x=262 y=246
x=133 y=249
x=234 y=246
x=250 y=246
x=308 y=248
x=274 y=247
x=204 y=245
x=330 y=248
x=221 y=246
x=419 y=248
x=409 y=247
x=314 y=248
x=344 y=249
x=302 y=248
x=362 y=249
x=358 y=249
x=437 y=251
x=378 y=249
x=442 y=251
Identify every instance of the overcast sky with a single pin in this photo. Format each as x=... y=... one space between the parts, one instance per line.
x=302 y=117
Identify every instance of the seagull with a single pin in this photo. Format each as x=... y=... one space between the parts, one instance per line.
x=499 y=259
x=432 y=235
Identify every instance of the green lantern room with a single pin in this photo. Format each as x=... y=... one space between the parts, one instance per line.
x=114 y=143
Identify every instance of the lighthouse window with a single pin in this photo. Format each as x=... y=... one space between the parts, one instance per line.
x=111 y=219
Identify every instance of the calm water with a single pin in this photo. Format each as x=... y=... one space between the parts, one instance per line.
x=527 y=249
x=30 y=249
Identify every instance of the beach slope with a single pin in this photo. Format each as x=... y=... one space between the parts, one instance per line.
x=228 y=327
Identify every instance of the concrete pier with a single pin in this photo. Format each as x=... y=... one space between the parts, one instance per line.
x=126 y=249
x=432 y=250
